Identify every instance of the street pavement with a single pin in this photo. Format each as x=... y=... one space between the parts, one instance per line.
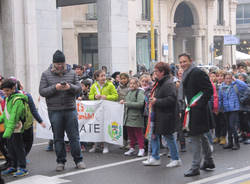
x=113 y=168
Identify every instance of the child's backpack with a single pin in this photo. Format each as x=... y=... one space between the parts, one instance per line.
x=28 y=117
x=244 y=97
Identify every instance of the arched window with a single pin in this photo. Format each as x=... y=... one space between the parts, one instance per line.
x=220 y=12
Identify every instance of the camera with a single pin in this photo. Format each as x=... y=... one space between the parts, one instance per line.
x=63 y=83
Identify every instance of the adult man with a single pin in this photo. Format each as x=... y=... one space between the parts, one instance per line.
x=196 y=87
x=59 y=85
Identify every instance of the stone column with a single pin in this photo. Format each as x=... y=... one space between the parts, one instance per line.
x=211 y=11
x=31 y=47
x=198 y=49
x=132 y=36
x=163 y=28
x=170 y=48
x=113 y=34
x=7 y=16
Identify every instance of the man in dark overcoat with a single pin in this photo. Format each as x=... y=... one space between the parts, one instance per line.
x=197 y=90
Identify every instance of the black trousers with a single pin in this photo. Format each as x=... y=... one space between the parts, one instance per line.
x=28 y=139
x=16 y=150
x=220 y=125
x=244 y=121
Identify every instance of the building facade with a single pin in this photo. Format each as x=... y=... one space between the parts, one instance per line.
x=243 y=25
x=180 y=26
x=30 y=32
x=114 y=33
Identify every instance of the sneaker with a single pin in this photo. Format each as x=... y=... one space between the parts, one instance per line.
x=60 y=167
x=130 y=152
x=21 y=172
x=9 y=170
x=174 y=163
x=141 y=153
x=93 y=149
x=151 y=162
x=105 y=150
x=80 y=165
x=49 y=148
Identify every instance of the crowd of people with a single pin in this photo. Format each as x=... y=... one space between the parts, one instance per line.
x=210 y=107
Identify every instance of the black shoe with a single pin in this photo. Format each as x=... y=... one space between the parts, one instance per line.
x=228 y=146
x=208 y=165
x=242 y=138
x=183 y=148
x=236 y=146
x=192 y=172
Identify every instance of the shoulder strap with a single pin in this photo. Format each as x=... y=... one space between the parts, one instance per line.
x=136 y=94
x=17 y=98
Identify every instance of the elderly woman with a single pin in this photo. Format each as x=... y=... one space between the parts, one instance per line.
x=164 y=104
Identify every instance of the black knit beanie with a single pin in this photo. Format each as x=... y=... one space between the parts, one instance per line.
x=58 y=57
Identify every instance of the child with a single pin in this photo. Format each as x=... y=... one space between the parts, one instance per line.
x=84 y=96
x=146 y=85
x=102 y=89
x=133 y=120
x=116 y=77
x=229 y=101
x=123 y=87
x=85 y=90
x=122 y=91
x=12 y=116
x=220 y=128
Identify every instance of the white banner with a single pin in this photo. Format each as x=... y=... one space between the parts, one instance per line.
x=99 y=121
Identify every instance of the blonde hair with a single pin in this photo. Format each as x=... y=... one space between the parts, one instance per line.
x=145 y=76
x=136 y=81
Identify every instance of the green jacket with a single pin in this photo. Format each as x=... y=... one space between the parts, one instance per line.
x=134 y=109
x=108 y=90
x=15 y=111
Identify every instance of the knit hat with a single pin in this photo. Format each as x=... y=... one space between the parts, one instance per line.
x=58 y=57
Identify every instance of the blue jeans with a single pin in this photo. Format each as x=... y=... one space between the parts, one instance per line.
x=155 y=144
x=65 y=121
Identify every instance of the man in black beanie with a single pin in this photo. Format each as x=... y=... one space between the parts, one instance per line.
x=60 y=86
